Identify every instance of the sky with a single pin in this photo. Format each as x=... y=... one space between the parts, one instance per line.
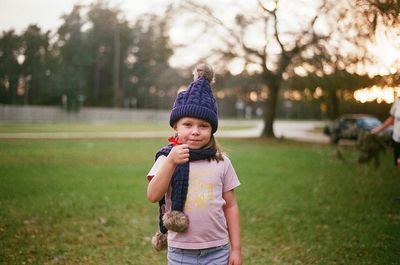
x=18 y=14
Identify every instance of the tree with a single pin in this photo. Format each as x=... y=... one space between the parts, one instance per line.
x=386 y=12
x=108 y=42
x=153 y=77
x=111 y=63
x=72 y=58
x=36 y=50
x=10 y=69
x=341 y=61
x=377 y=18
x=275 y=52
x=330 y=66
x=332 y=84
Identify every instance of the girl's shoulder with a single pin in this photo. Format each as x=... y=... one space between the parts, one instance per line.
x=226 y=157
x=226 y=162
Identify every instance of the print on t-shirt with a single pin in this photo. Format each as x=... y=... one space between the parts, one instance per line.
x=200 y=190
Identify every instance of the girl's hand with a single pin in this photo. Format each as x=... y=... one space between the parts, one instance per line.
x=235 y=257
x=179 y=154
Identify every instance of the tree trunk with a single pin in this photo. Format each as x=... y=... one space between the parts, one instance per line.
x=270 y=108
x=13 y=87
x=333 y=106
x=117 y=99
x=96 y=87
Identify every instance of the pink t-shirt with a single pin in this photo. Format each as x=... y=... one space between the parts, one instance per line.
x=204 y=204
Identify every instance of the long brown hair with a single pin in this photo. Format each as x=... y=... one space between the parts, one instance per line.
x=214 y=144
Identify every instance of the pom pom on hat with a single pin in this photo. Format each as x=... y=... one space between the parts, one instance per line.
x=203 y=70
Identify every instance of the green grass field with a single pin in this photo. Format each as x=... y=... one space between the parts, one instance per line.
x=51 y=127
x=84 y=202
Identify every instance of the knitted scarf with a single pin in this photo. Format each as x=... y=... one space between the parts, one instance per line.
x=180 y=180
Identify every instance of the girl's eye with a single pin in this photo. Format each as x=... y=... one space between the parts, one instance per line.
x=204 y=125
x=186 y=124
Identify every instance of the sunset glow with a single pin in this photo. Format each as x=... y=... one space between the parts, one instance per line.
x=378 y=94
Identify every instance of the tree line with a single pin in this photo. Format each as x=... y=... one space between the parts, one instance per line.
x=96 y=58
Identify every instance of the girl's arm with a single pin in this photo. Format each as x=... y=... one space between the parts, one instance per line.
x=158 y=186
x=231 y=211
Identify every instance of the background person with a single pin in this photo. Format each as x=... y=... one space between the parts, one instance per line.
x=393 y=119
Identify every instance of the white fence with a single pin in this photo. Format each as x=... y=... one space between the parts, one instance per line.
x=52 y=114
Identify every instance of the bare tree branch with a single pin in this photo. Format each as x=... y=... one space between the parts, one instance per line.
x=206 y=12
x=234 y=38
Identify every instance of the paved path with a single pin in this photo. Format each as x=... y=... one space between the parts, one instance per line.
x=301 y=130
x=298 y=130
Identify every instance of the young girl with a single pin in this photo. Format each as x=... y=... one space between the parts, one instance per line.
x=194 y=184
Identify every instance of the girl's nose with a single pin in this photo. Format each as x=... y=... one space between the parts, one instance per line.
x=195 y=130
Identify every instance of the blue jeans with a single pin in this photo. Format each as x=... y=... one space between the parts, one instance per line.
x=209 y=256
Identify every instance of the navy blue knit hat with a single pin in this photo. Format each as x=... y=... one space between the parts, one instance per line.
x=198 y=102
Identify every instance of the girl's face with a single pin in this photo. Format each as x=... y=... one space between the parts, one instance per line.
x=194 y=132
